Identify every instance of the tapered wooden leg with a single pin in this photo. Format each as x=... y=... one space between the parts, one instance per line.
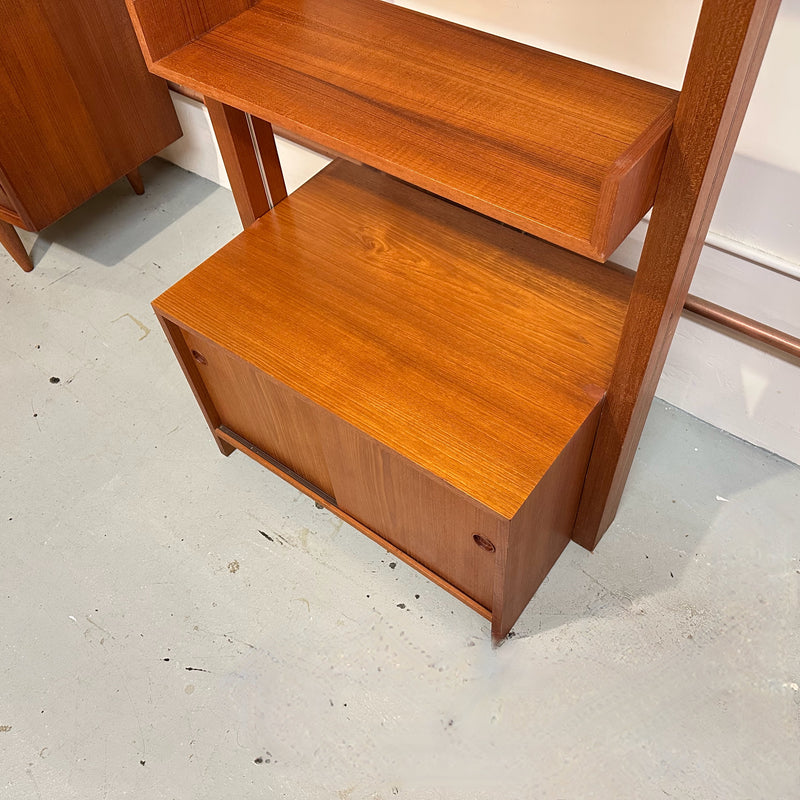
x=9 y=238
x=251 y=160
x=135 y=180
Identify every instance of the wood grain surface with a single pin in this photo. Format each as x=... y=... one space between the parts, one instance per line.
x=165 y=25
x=251 y=160
x=468 y=348
x=541 y=530
x=401 y=505
x=263 y=411
x=726 y=55
x=417 y=512
x=527 y=137
x=78 y=109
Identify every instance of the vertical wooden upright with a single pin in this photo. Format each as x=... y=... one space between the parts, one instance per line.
x=728 y=48
x=247 y=145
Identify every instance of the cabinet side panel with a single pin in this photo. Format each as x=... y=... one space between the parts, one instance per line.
x=187 y=364
x=262 y=411
x=418 y=513
x=541 y=529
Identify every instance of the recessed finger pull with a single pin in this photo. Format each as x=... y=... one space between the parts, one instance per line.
x=483 y=543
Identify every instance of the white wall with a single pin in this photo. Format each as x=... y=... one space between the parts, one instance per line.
x=197 y=150
x=725 y=379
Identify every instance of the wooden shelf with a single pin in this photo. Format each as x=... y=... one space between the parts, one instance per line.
x=567 y=151
x=473 y=350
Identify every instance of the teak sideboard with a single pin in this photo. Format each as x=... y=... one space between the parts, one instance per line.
x=425 y=338
x=78 y=110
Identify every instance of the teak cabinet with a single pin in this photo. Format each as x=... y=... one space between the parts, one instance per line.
x=381 y=367
x=424 y=341
x=78 y=110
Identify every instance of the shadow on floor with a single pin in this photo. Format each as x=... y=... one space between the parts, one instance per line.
x=687 y=482
x=112 y=225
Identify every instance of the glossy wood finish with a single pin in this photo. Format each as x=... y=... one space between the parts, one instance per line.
x=281 y=132
x=248 y=150
x=78 y=109
x=729 y=45
x=9 y=239
x=413 y=510
x=348 y=284
x=380 y=368
x=555 y=147
x=165 y=25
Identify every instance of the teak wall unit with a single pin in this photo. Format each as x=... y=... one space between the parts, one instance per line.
x=78 y=110
x=466 y=394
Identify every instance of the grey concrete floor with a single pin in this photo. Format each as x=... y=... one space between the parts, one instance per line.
x=180 y=625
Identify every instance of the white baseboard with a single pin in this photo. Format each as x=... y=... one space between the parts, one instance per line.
x=727 y=380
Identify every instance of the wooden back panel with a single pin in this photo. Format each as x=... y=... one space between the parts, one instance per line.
x=165 y=25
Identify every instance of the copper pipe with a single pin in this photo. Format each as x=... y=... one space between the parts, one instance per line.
x=780 y=340
x=722 y=316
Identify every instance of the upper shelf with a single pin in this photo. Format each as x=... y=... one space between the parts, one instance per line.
x=561 y=149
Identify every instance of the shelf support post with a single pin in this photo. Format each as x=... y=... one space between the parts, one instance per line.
x=728 y=48
x=251 y=160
